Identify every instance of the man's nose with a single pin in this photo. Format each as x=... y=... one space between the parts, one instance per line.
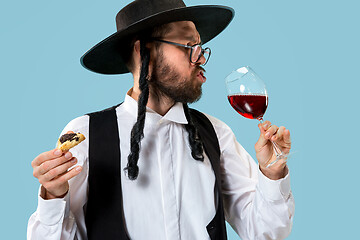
x=201 y=61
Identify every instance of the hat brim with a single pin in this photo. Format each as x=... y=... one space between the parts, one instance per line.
x=105 y=57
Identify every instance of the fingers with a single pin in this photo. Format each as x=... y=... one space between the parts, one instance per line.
x=67 y=176
x=55 y=186
x=47 y=164
x=273 y=133
x=54 y=172
x=266 y=132
x=46 y=156
x=286 y=135
x=282 y=139
x=283 y=134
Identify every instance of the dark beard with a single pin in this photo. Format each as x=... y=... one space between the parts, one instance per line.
x=165 y=80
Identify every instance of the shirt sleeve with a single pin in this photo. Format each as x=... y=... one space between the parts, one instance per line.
x=255 y=206
x=52 y=220
x=55 y=218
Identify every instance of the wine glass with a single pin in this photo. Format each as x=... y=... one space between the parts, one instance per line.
x=248 y=96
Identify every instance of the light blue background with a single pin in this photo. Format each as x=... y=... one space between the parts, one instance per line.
x=306 y=51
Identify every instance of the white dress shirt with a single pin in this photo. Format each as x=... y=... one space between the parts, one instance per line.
x=173 y=196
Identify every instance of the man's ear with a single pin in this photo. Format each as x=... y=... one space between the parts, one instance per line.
x=137 y=47
x=136 y=53
x=137 y=56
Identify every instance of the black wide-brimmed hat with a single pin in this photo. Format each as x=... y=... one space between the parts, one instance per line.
x=105 y=57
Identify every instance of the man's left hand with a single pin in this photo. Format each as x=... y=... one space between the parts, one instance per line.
x=265 y=152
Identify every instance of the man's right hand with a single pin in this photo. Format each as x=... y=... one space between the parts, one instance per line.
x=51 y=169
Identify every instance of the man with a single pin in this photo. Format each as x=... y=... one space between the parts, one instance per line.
x=151 y=168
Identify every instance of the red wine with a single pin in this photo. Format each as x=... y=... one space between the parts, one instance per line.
x=248 y=105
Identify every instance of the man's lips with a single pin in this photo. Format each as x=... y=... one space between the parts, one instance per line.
x=201 y=75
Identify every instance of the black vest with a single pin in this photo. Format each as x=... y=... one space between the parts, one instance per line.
x=104 y=217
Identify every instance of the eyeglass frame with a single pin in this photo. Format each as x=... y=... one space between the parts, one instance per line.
x=191 y=51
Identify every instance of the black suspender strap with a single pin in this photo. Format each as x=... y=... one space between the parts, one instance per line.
x=104 y=217
x=216 y=228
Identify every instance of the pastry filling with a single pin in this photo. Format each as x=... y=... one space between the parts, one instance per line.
x=68 y=137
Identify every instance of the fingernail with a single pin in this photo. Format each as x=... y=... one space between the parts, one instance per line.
x=68 y=155
x=57 y=152
x=78 y=169
x=267 y=135
x=74 y=160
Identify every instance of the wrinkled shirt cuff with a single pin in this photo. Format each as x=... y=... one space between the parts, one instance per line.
x=274 y=190
x=51 y=212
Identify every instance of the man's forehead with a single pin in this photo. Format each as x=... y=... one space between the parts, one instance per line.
x=183 y=29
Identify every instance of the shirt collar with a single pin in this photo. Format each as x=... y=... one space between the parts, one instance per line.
x=175 y=114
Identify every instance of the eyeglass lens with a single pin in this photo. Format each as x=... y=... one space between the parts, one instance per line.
x=196 y=54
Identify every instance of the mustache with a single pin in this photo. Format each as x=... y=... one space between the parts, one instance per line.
x=201 y=68
x=198 y=69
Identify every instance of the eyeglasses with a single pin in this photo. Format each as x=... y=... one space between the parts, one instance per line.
x=195 y=53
